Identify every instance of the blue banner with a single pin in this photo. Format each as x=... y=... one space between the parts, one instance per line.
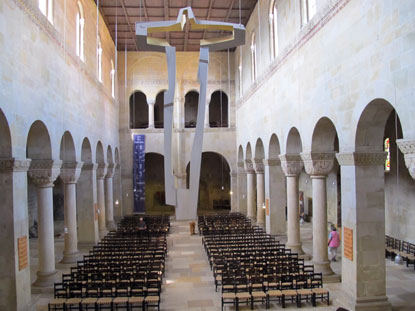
x=139 y=185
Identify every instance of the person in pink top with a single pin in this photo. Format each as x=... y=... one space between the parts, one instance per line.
x=334 y=243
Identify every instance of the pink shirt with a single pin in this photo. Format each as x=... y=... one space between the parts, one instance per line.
x=334 y=239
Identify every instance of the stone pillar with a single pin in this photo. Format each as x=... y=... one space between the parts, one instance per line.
x=181 y=180
x=87 y=206
x=242 y=187
x=275 y=193
x=151 y=103
x=292 y=165
x=207 y=124
x=318 y=166
x=234 y=191
x=407 y=147
x=43 y=173
x=109 y=198
x=260 y=191
x=14 y=282
x=101 y=172
x=363 y=211
x=70 y=173
x=118 y=208
x=250 y=181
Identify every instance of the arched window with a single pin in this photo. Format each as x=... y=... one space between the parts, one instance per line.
x=273 y=25
x=138 y=111
x=191 y=101
x=46 y=7
x=308 y=9
x=253 y=57
x=159 y=110
x=80 y=22
x=218 y=109
x=99 y=54
x=112 y=73
x=388 y=155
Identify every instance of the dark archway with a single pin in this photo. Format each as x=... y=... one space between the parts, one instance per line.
x=159 y=110
x=218 y=109
x=214 y=188
x=138 y=110
x=191 y=101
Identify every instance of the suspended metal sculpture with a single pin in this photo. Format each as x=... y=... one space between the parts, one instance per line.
x=185 y=200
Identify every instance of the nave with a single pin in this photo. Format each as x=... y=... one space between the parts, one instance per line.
x=189 y=284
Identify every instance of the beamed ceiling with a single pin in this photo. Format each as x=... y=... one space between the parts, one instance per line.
x=121 y=15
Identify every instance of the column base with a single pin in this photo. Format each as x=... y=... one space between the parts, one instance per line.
x=111 y=225
x=102 y=233
x=70 y=257
x=45 y=279
x=374 y=303
x=334 y=278
x=295 y=248
x=323 y=267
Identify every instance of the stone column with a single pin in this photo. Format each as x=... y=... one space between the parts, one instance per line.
x=101 y=172
x=260 y=191
x=407 y=147
x=87 y=206
x=118 y=208
x=207 y=124
x=43 y=173
x=181 y=180
x=292 y=165
x=14 y=282
x=70 y=173
x=318 y=166
x=234 y=191
x=275 y=193
x=250 y=181
x=151 y=103
x=242 y=187
x=363 y=212
x=109 y=198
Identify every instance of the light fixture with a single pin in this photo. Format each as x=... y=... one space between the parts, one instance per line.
x=65 y=230
x=116 y=202
x=223 y=187
x=230 y=192
x=263 y=205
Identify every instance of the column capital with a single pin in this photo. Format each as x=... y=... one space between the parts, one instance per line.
x=9 y=165
x=291 y=164
x=110 y=170
x=318 y=163
x=151 y=102
x=258 y=166
x=272 y=162
x=44 y=172
x=102 y=170
x=407 y=147
x=249 y=167
x=361 y=158
x=240 y=164
x=180 y=175
x=70 y=172
x=90 y=166
x=233 y=174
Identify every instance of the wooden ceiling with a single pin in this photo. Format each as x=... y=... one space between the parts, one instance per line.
x=121 y=16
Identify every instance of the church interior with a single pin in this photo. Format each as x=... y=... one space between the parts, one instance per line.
x=306 y=193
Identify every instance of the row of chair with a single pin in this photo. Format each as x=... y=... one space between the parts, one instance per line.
x=405 y=249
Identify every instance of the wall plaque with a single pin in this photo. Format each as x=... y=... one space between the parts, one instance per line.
x=22 y=252
x=267 y=206
x=348 y=243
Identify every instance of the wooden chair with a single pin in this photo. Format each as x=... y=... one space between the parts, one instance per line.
x=88 y=304
x=321 y=294
x=120 y=303
x=57 y=304
x=152 y=301
x=135 y=303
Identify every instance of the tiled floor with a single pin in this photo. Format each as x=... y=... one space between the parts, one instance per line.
x=188 y=284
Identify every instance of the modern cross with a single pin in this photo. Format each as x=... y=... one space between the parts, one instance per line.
x=185 y=200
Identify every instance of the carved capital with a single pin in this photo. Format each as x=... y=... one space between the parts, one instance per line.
x=240 y=164
x=361 y=158
x=70 y=172
x=110 y=170
x=258 y=166
x=90 y=166
x=249 y=167
x=272 y=162
x=233 y=174
x=44 y=172
x=180 y=175
x=291 y=164
x=318 y=164
x=151 y=102
x=10 y=165
x=101 y=170
x=407 y=147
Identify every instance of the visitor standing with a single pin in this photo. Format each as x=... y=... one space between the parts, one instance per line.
x=334 y=243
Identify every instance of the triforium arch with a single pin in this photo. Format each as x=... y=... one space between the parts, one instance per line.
x=5 y=137
x=159 y=110
x=191 y=101
x=67 y=148
x=138 y=110
x=86 y=151
x=215 y=183
x=38 y=144
x=99 y=153
x=219 y=109
x=109 y=155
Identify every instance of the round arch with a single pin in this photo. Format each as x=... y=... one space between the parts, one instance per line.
x=138 y=110
x=191 y=101
x=38 y=145
x=218 y=109
x=67 y=148
x=5 y=137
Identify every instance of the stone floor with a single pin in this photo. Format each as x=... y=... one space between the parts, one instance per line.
x=188 y=284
